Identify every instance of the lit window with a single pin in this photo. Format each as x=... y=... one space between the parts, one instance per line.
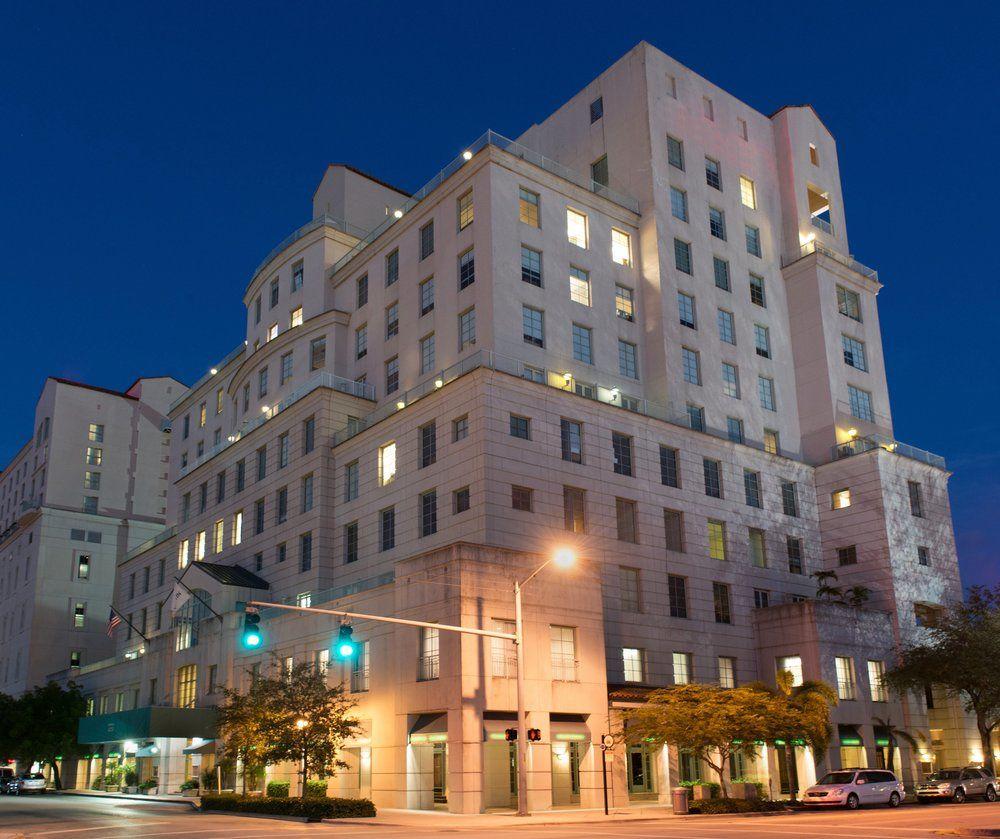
x=727 y=672
x=621 y=247
x=272 y=332
x=632 y=662
x=199 y=545
x=770 y=441
x=576 y=228
x=748 y=195
x=218 y=534
x=845 y=678
x=717 y=539
x=813 y=155
x=95 y=433
x=296 y=319
x=682 y=668
x=387 y=463
x=876 y=681
x=79 y=615
x=238 y=527
x=579 y=286
x=183 y=553
x=94 y=456
x=528 y=207
x=790 y=664
x=465 y=210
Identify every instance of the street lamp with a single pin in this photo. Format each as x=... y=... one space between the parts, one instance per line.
x=563 y=558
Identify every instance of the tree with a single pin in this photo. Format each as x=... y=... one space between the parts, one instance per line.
x=44 y=725
x=961 y=654
x=242 y=720
x=825 y=590
x=894 y=735
x=705 y=720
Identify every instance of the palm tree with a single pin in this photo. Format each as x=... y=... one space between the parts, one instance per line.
x=825 y=590
x=894 y=735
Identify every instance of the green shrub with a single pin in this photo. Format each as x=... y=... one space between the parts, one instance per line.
x=149 y=783
x=190 y=783
x=315 y=789
x=690 y=785
x=313 y=809
x=734 y=805
x=131 y=777
x=278 y=789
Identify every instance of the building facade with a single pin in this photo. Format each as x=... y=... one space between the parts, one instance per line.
x=636 y=332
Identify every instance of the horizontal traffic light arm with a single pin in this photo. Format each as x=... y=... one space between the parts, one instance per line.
x=488 y=633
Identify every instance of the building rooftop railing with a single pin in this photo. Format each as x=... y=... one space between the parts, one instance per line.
x=228 y=359
x=361 y=390
x=489 y=138
x=818 y=247
x=859 y=445
x=161 y=537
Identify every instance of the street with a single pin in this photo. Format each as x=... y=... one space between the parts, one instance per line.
x=95 y=818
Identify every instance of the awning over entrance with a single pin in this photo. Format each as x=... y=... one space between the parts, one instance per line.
x=151 y=750
x=881 y=735
x=570 y=727
x=849 y=735
x=147 y=723
x=429 y=728
x=206 y=748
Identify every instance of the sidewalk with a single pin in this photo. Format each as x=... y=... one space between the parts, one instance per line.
x=118 y=796
x=388 y=817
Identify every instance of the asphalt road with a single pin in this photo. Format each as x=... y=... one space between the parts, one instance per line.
x=67 y=817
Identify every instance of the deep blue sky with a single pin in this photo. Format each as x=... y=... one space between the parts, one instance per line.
x=152 y=153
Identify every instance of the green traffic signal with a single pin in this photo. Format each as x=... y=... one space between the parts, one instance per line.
x=252 y=636
x=345 y=646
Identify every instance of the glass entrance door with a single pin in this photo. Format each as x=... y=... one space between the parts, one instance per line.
x=640 y=770
x=440 y=773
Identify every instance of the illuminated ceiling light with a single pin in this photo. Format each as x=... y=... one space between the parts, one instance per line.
x=439 y=383
x=467 y=155
x=400 y=404
x=614 y=393
x=264 y=409
x=398 y=213
x=213 y=371
x=568 y=377
x=852 y=432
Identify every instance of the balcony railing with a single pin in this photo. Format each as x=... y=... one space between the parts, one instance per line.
x=489 y=138
x=359 y=680
x=361 y=390
x=504 y=665
x=158 y=539
x=859 y=445
x=822 y=224
x=429 y=667
x=818 y=247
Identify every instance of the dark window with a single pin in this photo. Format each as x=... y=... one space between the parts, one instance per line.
x=848 y=555
x=220 y=487
x=427 y=240
x=428 y=444
x=461 y=500
x=362 y=290
x=720 y=599
x=308 y=435
x=572 y=441
x=677 y=591
x=673 y=528
x=625 y=513
x=713 y=477
x=520 y=427
x=351 y=542
x=387 y=529
x=621 y=445
x=574 y=509
x=751 y=488
x=305 y=551
x=241 y=474
x=597 y=109
x=794 y=554
x=916 y=502
x=261 y=463
x=669 y=475
x=258 y=514
x=466 y=269
x=520 y=498
x=789 y=498
x=392 y=267
x=428 y=513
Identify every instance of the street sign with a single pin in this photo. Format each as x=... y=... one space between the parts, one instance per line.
x=607 y=742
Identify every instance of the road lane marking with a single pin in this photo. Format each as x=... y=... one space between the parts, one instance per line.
x=83 y=829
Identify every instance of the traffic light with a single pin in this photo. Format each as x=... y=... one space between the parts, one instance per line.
x=534 y=735
x=251 y=637
x=345 y=647
x=510 y=735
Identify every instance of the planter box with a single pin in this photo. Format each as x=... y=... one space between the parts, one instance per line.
x=745 y=791
x=149 y=791
x=701 y=792
x=131 y=790
x=190 y=793
x=111 y=787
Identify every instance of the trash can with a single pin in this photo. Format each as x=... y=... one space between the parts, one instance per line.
x=680 y=801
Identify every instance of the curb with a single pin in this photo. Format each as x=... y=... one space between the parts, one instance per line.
x=301 y=819
x=146 y=799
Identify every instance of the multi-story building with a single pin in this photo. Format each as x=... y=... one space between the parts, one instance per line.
x=636 y=332
x=90 y=483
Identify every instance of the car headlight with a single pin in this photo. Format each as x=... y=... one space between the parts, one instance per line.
x=944 y=786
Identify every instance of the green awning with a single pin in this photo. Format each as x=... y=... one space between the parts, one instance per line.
x=147 y=723
x=849 y=735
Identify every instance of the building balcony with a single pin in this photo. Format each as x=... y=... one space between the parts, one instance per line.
x=860 y=445
x=821 y=224
x=814 y=246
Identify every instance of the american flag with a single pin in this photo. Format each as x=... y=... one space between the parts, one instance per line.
x=113 y=620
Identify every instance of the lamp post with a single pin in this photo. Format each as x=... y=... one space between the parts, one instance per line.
x=563 y=558
x=302 y=724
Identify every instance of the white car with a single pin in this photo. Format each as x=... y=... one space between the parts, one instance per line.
x=31 y=782
x=852 y=788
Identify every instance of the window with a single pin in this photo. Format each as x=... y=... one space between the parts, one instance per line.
x=599 y=171
x=571 y=434
x=466 y=329
x=717 y=223
x=727 y=327
x=621 y=247
x=682 y=256
x=596 y=109
x=218 y=536
x=79 y=615
x=386 y=463
x=675 y=153
x=849 y=303
x=528 y=207
x=789 y=498
x=83 y=567
x=351 y=542
x=707 y=109
x=621 y=446
x=258 y=514
x=727 y=671
x=734 y=428
x=758 y=548
x=671 y=86
x=283 y=446
x=574 y=509
x=520 y=427
x=847 y=555
x=576 y=228
x=460 y=428
x=466 y=210
x=861 y=404
x=521 y=498
x=362 y=285
x=187 y=686
x=272 y=332
x=94 y=456
x=854 y=353
x=761 y=598
x=183 y=553
x=220 y=400
x=686 y=310
x=790 y=664
x=845 y=678
x=628 y=584
x=351 y=481
x=691 y=363
x=427 y=354
x=624 y=305
x=673 y=530
x=923 y=556
x=306 y=493
x=387 y=529
x=262 y=382
x=392 y=320
x=682 y=668
x=753 y=240
x=794 y=550
x=924 y=614
x=771 y=441
x=533 y=326
x=503 y=652
x=625 y=513
x=305 y=552
x=199 y=545
x=633 y=664
x=428 y=513
x=730 y=380
x=392 y=375
x=748 y=195
x=751 y=488
x=359 y=667
x=460 y=500
x=765 y=391
x=563 y=650
x=426 y=296
x=916 y=502
x=274 y=292
x=392 y=263
x=717 y=539
x=531 y=266
x=90 y=504
x=95 y=432
x=669 y=472
x=678 y=203
x=246 y=397
x=295 y=318
x=627 y=359
x=720 y=600
x=721 y=269
x=579 y=286
x=466 y=269
x=713 y=173
x=429 y=659
x=876 y=681
x=428 y=444
x=840 y=498
x=282 y=505
x=427 y=240
x=712 y=470
x=677 y=594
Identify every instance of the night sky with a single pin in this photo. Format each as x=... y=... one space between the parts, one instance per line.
x=153 y=153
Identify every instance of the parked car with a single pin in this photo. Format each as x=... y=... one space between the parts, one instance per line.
x=8 y=780
x=30 y=782
x=957 y=785
x=852 y=788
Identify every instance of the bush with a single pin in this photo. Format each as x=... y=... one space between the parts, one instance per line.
x=690 y=785
x=278 y=789
x=131 y=777
x=313 y=809
x=734 y=805
x=190 y=783
x=315 y=789
x=148 y=784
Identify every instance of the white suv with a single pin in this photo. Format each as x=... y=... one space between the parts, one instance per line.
x=851 y=788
